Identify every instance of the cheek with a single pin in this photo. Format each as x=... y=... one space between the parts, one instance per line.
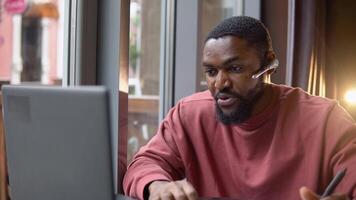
x=211 y=84
x=243 y=87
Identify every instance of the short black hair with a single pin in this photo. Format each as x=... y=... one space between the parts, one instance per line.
x=248 y=28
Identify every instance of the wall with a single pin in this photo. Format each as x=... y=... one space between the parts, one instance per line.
x=274 y=14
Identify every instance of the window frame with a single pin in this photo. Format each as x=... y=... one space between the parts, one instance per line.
x=80 y=59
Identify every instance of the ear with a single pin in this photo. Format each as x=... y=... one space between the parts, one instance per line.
x=270 y=58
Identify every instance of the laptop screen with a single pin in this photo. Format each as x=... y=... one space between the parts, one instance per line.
x=58 y=142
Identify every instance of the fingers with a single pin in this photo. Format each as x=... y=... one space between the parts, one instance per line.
x=177 y=190
x=307 y=194
x=189 y=190
x=336 y=197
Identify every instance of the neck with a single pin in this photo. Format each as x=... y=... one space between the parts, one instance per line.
x=265 y=100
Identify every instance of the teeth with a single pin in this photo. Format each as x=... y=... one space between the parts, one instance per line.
x=226 y=101
x=224 y=97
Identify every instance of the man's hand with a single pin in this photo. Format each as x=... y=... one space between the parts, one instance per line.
x=179 y=190
x=307 y=194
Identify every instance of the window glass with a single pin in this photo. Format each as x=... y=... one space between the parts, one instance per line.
x=31 y=37
x=211 y=13
x=144 y=69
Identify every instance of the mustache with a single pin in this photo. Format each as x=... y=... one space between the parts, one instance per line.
x=228 y=93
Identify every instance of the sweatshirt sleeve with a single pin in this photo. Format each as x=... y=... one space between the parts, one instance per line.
x=159 y=159
x=341 y=146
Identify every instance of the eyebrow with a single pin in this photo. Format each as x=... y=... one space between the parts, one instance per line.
x=228 y=61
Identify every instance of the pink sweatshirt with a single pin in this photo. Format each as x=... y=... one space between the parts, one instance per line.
x=299 y=140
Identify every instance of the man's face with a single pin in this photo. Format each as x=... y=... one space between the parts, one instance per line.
x=229 y=64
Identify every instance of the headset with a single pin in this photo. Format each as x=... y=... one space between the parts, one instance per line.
x=273 y=66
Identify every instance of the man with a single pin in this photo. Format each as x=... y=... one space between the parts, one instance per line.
x=246 y=138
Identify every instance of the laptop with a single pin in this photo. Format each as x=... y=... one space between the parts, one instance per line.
x=58 y=143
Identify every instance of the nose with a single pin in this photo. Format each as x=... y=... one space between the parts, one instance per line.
x=222 y=81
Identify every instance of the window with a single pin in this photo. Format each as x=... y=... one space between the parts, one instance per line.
x=31 y=41
x=212 y=12
x=144 y=72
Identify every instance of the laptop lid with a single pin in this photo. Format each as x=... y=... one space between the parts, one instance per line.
x=58 y=143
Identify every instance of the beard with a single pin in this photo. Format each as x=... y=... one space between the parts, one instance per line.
x=244 y=110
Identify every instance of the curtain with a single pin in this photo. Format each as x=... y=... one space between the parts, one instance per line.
x=309 y=42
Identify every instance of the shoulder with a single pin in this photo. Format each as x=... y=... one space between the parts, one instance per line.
x=298 y=96
x=200 y=97
x=306 y=109
x=304 y=106
x=313 y=115
x=198 y=102
x=196 y=105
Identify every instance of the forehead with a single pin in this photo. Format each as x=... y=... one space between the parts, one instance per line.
x=227 y=47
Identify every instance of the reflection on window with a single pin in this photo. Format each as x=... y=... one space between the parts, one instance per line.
x=30 y=41
x=144 y=53
x=211 y=13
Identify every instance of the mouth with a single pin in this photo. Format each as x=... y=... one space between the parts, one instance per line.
x=225 y=101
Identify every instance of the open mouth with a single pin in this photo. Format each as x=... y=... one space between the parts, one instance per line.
x=226 y=100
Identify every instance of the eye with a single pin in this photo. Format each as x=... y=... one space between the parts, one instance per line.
x=211 y=72
x=236 y=69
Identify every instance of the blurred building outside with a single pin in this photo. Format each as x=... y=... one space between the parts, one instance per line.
x=31 y=40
